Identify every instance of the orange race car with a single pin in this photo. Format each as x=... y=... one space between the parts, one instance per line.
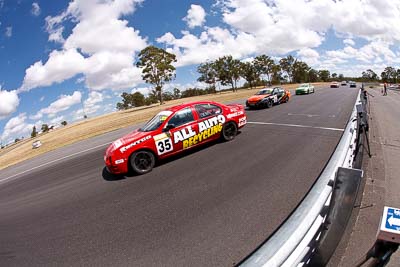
x=267 y=97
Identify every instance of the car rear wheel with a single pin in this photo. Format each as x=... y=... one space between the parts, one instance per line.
x=142 y=161
x=229 y=131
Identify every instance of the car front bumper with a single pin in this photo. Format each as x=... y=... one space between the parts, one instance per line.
x=115 y=168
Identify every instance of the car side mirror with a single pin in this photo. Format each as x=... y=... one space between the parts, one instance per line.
x=169 y=127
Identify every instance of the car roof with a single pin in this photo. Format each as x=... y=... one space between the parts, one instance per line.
x=184 y=105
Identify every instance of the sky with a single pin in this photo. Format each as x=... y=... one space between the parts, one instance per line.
x=62 y=59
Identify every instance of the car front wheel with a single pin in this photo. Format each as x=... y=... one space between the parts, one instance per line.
x=142 y=161
x=229 y=131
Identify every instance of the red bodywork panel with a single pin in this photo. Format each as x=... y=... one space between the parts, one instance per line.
x=164 y=143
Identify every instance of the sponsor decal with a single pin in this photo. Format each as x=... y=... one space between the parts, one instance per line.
x=117 y=143
x=242 y=121
x=230 y=116
x=207 y=129
x=183 y=134
x=119 y=161
x=163 y=143
x=188 y=136
x=125 y=148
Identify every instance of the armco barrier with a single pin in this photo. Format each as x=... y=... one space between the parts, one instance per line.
x=295 y=239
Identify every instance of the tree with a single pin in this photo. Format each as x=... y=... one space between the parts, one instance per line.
x=287 y=64
x=157 y=68
x=208 y=73
x=152 y=98
x=300 y=71
x=324 y=75
x=168 y=96
x=45 y=128
x=389 y=74
x=228 y=71
x=313 y=76
x=136 y=99
x=249 y=72
x=34 y=132
x=126 y=101
x=64 y=123
x=264 y=66
x=369 y=75
x=334 y=75
x=341 y=76
x=276 y=76
x=177 y=93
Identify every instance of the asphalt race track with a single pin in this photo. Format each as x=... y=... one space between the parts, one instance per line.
x=209 y=207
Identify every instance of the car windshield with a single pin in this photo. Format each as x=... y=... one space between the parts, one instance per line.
x=265 y=92
x=156 y=121
x=304 y=85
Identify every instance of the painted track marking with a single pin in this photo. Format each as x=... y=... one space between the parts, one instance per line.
x=50 y=162
x=307 y=115
x=295 y=125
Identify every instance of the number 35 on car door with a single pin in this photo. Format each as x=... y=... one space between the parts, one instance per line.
x=163 y=143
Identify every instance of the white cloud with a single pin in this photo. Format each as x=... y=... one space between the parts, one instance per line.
x=56 y=120
x=105 y=64
x=308 y=55
x=9 y=103
x=278 y=27
x=16 y=127
x=196 y=16
x=372 y=19
x=349 y=42
x=91 y=103
x=8 y=32
x=212 y=43
x=60 y=66
x=35 y=9
x=367 y=53
x=63 y=103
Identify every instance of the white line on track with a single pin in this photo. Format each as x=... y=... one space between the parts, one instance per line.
x=56 y=160
x=307 y=115
x=296 y=125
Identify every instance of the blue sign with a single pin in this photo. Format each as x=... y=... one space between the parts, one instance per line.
x=392 y=220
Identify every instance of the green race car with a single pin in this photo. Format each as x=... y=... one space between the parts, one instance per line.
x=305 y=88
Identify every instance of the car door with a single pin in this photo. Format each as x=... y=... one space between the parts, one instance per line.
x=277 y=94
x=281 y=94
x=210 y=121
x=179 y=128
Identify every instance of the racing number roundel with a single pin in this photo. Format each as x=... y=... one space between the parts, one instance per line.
x=163 y=143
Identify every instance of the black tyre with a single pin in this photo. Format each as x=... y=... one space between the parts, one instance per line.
x=142 y=161
x=229 y=131
x=269 y=104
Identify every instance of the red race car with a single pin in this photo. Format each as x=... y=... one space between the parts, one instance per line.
x=171 y=131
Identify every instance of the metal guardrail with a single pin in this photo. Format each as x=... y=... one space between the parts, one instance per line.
x=293 y=242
